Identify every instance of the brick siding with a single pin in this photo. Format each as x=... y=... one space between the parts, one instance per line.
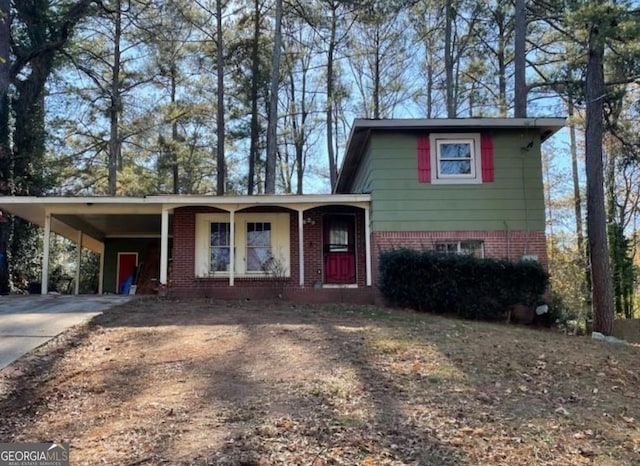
x=184 y=282
x=500 y=244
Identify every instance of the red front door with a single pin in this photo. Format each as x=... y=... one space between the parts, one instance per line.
x=339 y=249
x=127 y=262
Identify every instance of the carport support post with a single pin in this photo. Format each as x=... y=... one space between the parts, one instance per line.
x=101 y=271
x=301 y=245
x=164 y=246
x=78 y=263
x=45 y=254
x=232 y=247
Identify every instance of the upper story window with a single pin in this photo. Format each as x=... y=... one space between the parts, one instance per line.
x=455 y=158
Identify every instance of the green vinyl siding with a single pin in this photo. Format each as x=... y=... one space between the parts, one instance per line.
x=362 y=179
x=514 y=201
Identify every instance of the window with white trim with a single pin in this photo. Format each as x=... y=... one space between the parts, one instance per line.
x=258 y=246
x=259 y=237
x=455 y=158
x=473 y=248
x=220 y=243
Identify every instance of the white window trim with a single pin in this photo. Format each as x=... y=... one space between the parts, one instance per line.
x=280 y=242
x=209 y=248
x=458 y=244
x=476 y=161
x=246 y=246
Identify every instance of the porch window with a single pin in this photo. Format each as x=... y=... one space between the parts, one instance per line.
x=258 y=246
x=258 y=238
x=220 y=241
x=469 y=247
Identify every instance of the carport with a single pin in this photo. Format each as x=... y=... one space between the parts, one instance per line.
x=90 y=222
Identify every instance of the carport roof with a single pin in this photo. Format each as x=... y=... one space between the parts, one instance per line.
x=100 y=217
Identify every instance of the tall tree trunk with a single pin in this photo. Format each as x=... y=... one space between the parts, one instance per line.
x=577 y=203
x=577 y=196
x=602 y=293
x=255 y=76
x=333 y=165
x=115 y=107
x=448 y=60
x=502 y=67
x=519 y=60
x=220 y=156
x=5 y=158
x=299 y=129
x=175 y=168
x=376 y=75
x=614 y=234
x=272 y=123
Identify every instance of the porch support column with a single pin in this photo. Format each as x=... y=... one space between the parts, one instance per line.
x=232 y=247
x=45 y=254
x=164 y=246
x=101 y=271
x=301 y=245
x=367 y=243
x=78 y=263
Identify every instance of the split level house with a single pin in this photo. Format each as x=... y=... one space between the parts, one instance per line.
x=469 y=186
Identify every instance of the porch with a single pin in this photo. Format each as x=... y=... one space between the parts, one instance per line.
x=236 y=246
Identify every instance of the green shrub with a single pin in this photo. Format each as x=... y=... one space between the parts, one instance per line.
x=464 y=285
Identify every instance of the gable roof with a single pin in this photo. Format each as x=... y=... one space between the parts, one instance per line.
x=362 y=128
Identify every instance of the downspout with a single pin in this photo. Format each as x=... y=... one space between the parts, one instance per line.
x=164 y=249
x=508 y=235
x=367 y=243
x=523 y=151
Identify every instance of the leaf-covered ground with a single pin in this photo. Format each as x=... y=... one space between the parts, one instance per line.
x=158 y=382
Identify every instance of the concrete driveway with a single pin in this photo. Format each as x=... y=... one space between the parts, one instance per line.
x=27 y=322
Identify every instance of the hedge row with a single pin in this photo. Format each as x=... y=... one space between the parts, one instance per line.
x=464 y=285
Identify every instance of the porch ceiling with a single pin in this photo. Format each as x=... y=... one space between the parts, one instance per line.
x=110 y=225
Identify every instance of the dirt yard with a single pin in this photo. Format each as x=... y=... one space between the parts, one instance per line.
x=157 y=382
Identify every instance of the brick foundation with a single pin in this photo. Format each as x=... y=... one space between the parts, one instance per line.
x=296 y=294
x=499 y=244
